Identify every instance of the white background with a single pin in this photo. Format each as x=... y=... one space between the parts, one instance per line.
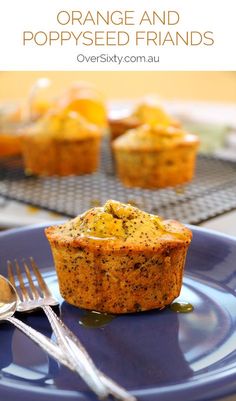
x=17 y=16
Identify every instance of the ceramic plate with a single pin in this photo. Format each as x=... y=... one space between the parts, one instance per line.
x=158 y=355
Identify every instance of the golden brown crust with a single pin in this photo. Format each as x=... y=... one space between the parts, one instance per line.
x=121 y=282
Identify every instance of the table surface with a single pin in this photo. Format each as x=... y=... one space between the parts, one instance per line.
x=14 y=214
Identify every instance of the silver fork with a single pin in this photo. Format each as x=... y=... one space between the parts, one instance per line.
x=72 y=348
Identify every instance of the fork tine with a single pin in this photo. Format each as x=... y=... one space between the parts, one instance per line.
x=10 y=273
x=24 y=293
x=42 y=284
x=33 y=289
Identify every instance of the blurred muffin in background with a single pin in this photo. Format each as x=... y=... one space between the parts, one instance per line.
x=85 y=99
x=155 y=156
x=148 y=111
x=61 y=143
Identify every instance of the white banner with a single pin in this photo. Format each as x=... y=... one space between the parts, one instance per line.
x=107 y=35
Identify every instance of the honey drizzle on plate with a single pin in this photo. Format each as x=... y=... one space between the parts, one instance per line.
x=181 y=307
x=93 y=319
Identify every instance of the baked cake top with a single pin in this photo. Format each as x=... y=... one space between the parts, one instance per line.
x=120 y=224
x=154 y=137
x=63 y=125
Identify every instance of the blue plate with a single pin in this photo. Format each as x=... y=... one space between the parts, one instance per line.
x=158 y=355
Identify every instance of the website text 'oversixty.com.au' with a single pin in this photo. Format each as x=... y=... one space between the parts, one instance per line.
x=117 y=59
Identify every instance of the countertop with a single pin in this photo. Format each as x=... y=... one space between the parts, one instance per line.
x=15 y=214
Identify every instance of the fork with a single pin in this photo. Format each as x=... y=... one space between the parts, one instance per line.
x=72 y=348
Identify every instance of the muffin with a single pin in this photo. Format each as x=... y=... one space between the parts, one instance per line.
x=14 y=119
x=149 y=111
x=155 y=157
x=119 y=259
x=87 y=101
x=61 y=144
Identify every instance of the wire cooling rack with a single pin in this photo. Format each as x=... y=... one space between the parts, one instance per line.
x=212 y=192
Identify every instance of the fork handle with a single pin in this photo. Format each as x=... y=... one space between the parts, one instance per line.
x=80 y=355
x=40 y=339
x=47 y=345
